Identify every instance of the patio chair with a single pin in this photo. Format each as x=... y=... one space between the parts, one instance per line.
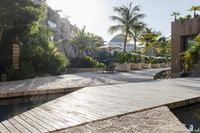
x=110 y=68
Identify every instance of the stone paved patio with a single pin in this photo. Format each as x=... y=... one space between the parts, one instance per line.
x=69 y=82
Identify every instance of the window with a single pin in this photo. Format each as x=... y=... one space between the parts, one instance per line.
x=189 y=41
x=51 y=24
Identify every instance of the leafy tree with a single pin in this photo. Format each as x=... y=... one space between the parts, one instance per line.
x=18 y=16
x=128 y=18
x=21 y=22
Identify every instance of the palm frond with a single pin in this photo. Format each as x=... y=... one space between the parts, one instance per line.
x=116 y=28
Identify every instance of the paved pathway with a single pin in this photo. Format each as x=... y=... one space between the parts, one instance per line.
x=70 y=82
x=102 y=102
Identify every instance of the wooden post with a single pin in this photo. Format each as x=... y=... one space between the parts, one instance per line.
x=15 y=55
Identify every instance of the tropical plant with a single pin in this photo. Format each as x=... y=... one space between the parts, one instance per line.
x=123 y=57
x=39 y=52
x=85 y=41
x=195 y=9
x=80 y=39
x=85 y=62
x=149 y=39
x=94 y=42
x=163 y=47
x=127 y=19
x=191 y=57
x=175 y=14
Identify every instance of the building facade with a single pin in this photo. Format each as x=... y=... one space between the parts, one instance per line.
x=183 y=34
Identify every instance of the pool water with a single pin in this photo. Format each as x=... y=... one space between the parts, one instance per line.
x=190 y=116
x=15 y=106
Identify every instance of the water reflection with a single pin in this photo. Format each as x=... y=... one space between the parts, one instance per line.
x=190 y=116
x=12 y=107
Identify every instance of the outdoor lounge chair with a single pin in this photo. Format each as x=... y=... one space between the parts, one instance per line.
x=110 y=68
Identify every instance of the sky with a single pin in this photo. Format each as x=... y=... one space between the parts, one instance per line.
x=94 y=14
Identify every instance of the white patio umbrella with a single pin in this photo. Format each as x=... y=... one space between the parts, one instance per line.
x=110 y=47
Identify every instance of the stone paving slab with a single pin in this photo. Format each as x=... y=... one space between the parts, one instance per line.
x=158 y=120
x=71 y=82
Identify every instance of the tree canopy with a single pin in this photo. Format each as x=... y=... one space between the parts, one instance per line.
x=19 y=16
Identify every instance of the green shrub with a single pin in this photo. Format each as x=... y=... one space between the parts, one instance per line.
x=123 y=57
x=103 y=55
x=154 y=61
x=136 y=59
x=100 y=65
x=146 y=60
x=85 y=62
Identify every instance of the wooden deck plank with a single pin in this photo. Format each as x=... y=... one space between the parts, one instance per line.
x=54 y=118
x=10 y=127
x=48 y=120
x=3 y=129
x=33 y=123
x=18 y=126
x=27 y=125
x=61 y=114
x=75 y=115
x=39 y=121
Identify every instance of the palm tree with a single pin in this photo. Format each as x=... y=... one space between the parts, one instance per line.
x=85 y=41
x=195 y=9
x=94 y=42
x=164 y=46
x=149 y=39
x=175 y=14
x=80 y=39
x=127 y=18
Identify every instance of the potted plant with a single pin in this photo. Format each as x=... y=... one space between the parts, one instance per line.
x=146 y=63
x=163 y=63
x=123 y=64
x=155 y=63
x=137 y=63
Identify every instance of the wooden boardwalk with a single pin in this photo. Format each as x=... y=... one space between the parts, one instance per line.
x=100 y=102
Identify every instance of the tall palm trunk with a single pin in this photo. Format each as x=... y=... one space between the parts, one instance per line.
x=194 y=14
x=125 y=41
x=146 y=48
x=135 y=47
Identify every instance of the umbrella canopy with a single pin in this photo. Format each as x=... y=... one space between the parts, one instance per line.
x=110 y=47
